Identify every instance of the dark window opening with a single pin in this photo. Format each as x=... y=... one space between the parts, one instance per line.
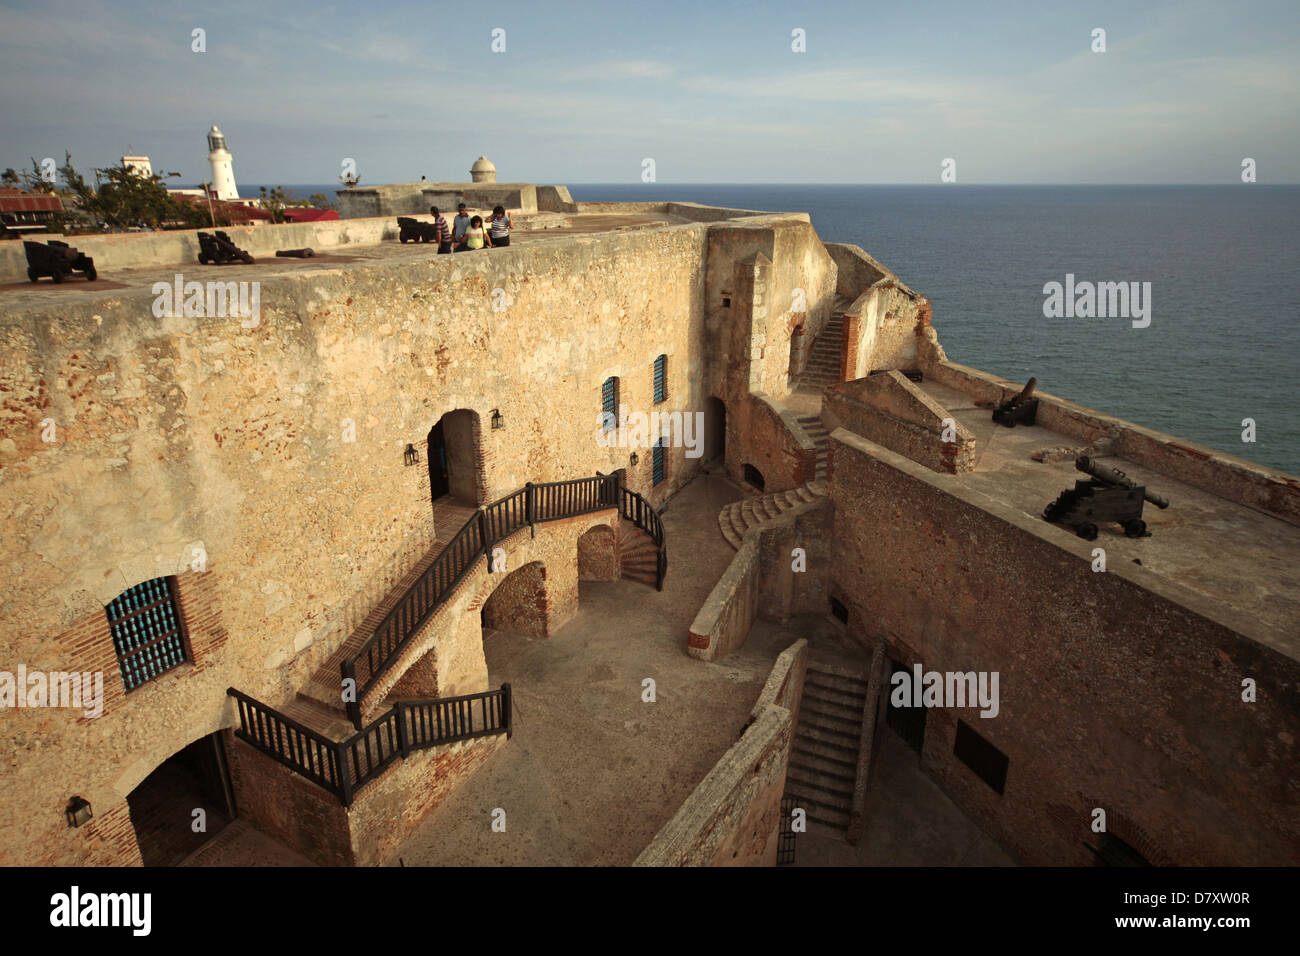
x=609 y=402
x=907 y=722
x=839 y=611
x=148 y=631
x=989 y=763
x=661 y=379
x=754 y=477
x=657 y=460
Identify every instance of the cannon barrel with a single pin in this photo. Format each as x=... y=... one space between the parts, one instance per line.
x=1115 y=477
x=1026 y=393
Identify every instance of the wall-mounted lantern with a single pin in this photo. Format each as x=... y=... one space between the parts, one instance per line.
x=632 y=460
x=411 y=455
x=78 y=812
x=498 y=420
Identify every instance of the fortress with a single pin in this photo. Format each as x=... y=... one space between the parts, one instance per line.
x=335 y=562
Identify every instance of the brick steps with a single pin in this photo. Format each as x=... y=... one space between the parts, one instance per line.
x=739 y=516
x=821 y=437
x=638 y=556
x=824 y=756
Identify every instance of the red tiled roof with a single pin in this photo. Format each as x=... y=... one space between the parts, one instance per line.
x=309 y=214
x=19 y=200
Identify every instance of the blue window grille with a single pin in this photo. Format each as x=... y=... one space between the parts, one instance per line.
x=661 y=379
x=148 y=633
x=657 y=460
x=609 y=402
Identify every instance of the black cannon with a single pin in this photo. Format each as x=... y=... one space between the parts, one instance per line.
x=414 y=230
x=219 y=249
x=1022 y=409
x=57 y=260
x=1108 y=495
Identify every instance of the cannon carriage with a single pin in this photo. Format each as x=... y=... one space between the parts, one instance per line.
x=57 y=260
x=1107 y=495
x=413 y=230
x=219 y=249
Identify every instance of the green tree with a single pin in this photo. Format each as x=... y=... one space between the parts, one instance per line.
x=321 y=201
x=10 y=177
x=273 y=201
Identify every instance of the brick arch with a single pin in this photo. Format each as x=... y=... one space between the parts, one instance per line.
x=598 y=554
x=518 y=602
x=1122 y=826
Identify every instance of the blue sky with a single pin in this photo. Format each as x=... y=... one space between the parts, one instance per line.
x=711 y=91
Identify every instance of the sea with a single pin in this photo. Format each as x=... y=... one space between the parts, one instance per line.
x=1217 y=362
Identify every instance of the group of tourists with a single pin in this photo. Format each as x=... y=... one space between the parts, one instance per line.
x=470 y=232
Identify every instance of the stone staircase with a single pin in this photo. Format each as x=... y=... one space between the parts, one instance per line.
x=638 y=557
x=823 y=366
x=821 y=438
x=739 y=516
x=321 y=696
x=824 y=755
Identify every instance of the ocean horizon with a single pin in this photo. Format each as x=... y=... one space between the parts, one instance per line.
x=1220 y=260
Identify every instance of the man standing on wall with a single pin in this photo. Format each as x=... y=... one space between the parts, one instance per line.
x=459 y=225
x=440 y=228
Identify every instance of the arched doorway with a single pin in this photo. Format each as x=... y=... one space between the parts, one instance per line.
x=183 y=803
x=454 y=459
x=715 y=430
x=598 y=554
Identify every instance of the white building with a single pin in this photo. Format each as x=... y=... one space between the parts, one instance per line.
x=223 y=170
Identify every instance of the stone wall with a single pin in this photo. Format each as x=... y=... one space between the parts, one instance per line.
x=724 y=620
x=1118 y=690
x=891 y=411
x=188 y=437
x=732 y=817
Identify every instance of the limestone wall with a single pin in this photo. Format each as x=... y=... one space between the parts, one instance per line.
x=1118 y=690
x=179 y=437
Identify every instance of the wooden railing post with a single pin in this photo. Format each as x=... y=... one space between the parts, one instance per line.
x=529 y=508
x=506 y=715
x=345 y=774
x=349 y=671
x=403 y=738
x=483 y=535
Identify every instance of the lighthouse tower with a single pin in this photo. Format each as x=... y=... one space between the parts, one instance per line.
x=223 y=170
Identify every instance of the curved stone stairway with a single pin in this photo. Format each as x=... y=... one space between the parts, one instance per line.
x=638 y=556
x=739 y=516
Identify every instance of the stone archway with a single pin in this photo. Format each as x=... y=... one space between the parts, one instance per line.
x=519 y=603
x=598 y=554
x=189 y=788
x=715 y=430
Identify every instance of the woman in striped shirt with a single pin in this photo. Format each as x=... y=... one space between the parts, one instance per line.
x=499 y=227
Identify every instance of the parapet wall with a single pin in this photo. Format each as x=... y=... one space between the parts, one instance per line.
x=889 y=410
x=1235 y=479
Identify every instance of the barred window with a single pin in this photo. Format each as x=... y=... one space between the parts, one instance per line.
x=609 y=402
x=657 y=460
x=661 y=379
x=148 y=632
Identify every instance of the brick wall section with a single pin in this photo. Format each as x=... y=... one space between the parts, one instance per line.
x=598 y=555
x=772 y=441
x=1114 y=691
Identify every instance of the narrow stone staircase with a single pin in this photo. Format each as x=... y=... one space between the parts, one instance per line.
x=739 y=516
x=638 y=557
x=823 y=366
x=824 y=755
x=821 y=438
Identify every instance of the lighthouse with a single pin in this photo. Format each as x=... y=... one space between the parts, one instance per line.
x=223 y=170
